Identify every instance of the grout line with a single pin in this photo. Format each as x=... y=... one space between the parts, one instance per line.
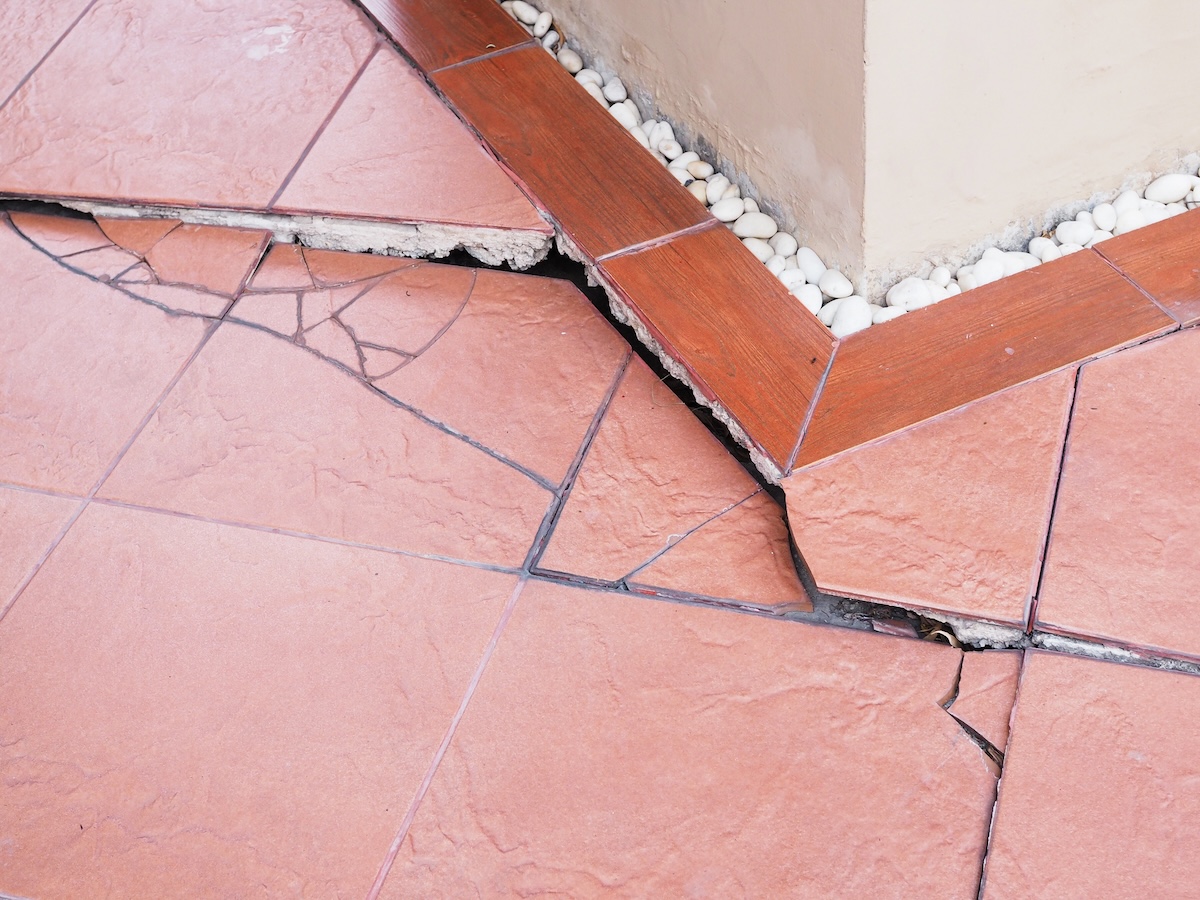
x=325 y=124
x=37 y=566
x=491 y=54
x=267 y=241
x=1141 y=290
x=650 y=243
x=423 y=789
x=812 y=408
x=62 y=37
x=1031 y=607
x=559 y=502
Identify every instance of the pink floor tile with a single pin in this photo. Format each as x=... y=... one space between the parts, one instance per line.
x=137 y=235
x=618 y=746
x=215 y=259
x=987 y=689
x=741 y=555
x=391 y=122
x=1101 y=788
x=81 y=365
x=108 y=263
x=28 y=524
x=27 y=32
x=283 y=268
x=1123 y=557
x=199 y=710
x=523 y=369
x=262 y=432
x=181 y=103
x=950 y=515
x=59 y=235
x=652 y=474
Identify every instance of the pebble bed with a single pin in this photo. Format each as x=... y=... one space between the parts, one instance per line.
x=823 y=291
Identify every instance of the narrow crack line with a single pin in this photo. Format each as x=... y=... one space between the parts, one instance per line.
x=708 y=224
x=812 y=408
x=954 y=691
x=265 y=248
x=287 y=180
x=386 y=866
x=305 y=535
x=563 y=493
x=62 y=37
x=458 y=312
x=1137 y=287
x=1031 y=606
x=41 y=561
x=41 y=491
x=994 y=753
x=527 y=44
x=681 y=538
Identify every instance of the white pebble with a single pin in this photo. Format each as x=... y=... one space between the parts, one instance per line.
x=833 y=283
x=1051 y=253
x=1098 y=237
x=792 y=264
x=525 y=13
x=1068 y=249
x=776 y=264
x=1174 y=209
x=681 y=176
x=940 y=276
x=1016 y=261
x=594 y=90
x=542 y=24
x=1105 y=216
x=1169 y=188
x=966 y=280
x=909 y=293
x=953 y=290
x=621 y=113
x=716 y=187
x=660 y=134
x=1156 y=213
x=732 y=191
x=751 y=204
x=1040 y=245
x=810 y=297
x=700 y=169
x=670 y=149
x=785 y=245
x=615 y=91
x=1130 y=220
x=570 y=60
x=791 y=278
x=550 y=39
x=759 y=248
x=829 y=310
x=586 y=76
x=1086 y=218
x=728 y=210
x=698 y=188
x=1074 y=232
x=886 y=314
x=1126 y=201
x=810 y=264
x=755 y=225
x=989 y=269
x=852 y=316
x=640 y=137
x=684 y=158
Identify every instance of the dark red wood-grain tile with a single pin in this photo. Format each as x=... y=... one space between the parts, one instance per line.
x=1164 y=260
x=605 y=191
x=746 y=341
x=938 y=358
x=436 y=33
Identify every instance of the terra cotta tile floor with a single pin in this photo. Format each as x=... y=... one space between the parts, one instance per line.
x=326 y=574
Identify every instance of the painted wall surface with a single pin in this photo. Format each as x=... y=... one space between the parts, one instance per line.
x=982 y=114
x=776 y=87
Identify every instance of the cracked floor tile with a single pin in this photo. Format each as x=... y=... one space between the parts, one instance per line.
x=137 y=235
x=60 y=235
x=987 y=689
x=622 y=746
x=169 y=103
x=405 y=128
x=193 y=709
x=1123 y=557
x=1101 y=788
x=81 y=364
x=652 y=474
x=950 y=515
x=262 y=432
x=28 y=524
x=215 y=259
x=27 y=32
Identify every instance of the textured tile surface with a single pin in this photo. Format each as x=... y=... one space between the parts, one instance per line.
x=746 y=343
x=1101 y=788
x=58 y=235
x=991 y=338
x=436 y=34
x=1164 y=260
x=1123 y=556
x=80 y=366
x=193 y=709
x=27 y=32
x=436 y=170
x=622 y=746
x=950 y=515
x=214 y=259
x=262 y=432
x=599 y=215
x=137 y=235
x=987 y=689
x=99 y=119
x=28 y=524
x=631 y=500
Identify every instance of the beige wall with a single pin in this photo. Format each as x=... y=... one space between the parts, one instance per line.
x=775 y=85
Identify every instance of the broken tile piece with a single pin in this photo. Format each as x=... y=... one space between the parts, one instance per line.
x=1123 y=557
x=261 y=432
x=276 y=312
x=28 y=523
x=410 y=132
x=283 y=268
x=217 y=707
x=60 y=235
x=987 y=689
x=408 y=309
x=105 y=263
x=216 y=259
x=332 y=342
x=181 y=298
x=136 y=235
x=652 y=473
x=331 y=268
x=950 y=515
x=741 y=555
x=523 y=369
x=81 y=364
x=318 y=305
x=1101 y=789
x=617 y=745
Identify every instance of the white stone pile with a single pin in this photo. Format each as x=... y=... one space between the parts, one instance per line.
x=824 y=291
